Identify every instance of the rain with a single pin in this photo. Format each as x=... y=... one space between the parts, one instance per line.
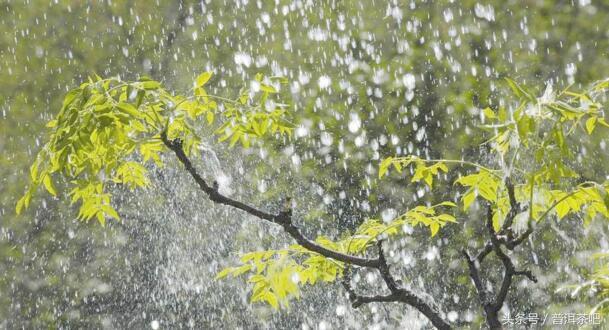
x=410 y=164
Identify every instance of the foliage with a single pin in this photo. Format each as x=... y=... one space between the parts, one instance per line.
x=105 y=124
x=276 y=274
x=538 y=128
x=531 y=140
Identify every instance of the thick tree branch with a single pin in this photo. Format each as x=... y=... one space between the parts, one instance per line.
x=509 y=272
x=488 y=248
x=518 y=240
x=284 y=219
x=526 y=273
x=515 y=207
x=474 y=274
x=507 y=278
x=384 y=269
x=397 y=295
x=357 y=300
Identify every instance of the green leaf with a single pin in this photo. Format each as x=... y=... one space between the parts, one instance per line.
x=468 y=199
x=48 y=184
x=447 y=203
x=101 y=218
x=489 y=113
x=139 y=98
x=235 y=138
x=151 y=85
x=603 y=122
x=441 y=166
x=151 y=151
x=242 y=270
x=271 y=299
x=267 y=88
x=488 y=192
x=605 y=197
x=446 y=218
x=495 y=220
x=434 y=228
x=129 y=109
x=591 y=124
x=260 y=288
x=203 y=78
x=225 y=272
x=428 y=179
x=562 y=209
x=384 y=166
x=20 y=205
x=518 y=90
x=110 y=211
x=131 y=174
x=70 y=96
x=525 y=125
x=34 y=170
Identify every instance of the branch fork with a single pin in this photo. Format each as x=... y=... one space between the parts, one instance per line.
x=504 y=237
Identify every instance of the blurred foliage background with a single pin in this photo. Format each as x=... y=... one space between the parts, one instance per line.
x=368 y=79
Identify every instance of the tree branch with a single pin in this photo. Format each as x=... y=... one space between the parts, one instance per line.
x=526 y=273
x=384 y=269
x=518 y=240
x=357 y=300
x=284 y=219
x=488 y=248
x=492 y=307
x=515 y=207
x=396 y=295
x=474 y=274
x=507 y=278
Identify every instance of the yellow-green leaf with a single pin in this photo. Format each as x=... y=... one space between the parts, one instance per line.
x=384 y=167
x=468 y=199
x=496 y=223
x=518 y=90
x=434 y=228
x=562 y=209
x=489 y=113
x=20 y=205
x=129 y=109
x=591 y=124
x=447 y=203
x=447 y=218
x=267 y=88
x=203 y=78
x=110 y=211
x=225 y=272
x=48 y=184
x=271 y=299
